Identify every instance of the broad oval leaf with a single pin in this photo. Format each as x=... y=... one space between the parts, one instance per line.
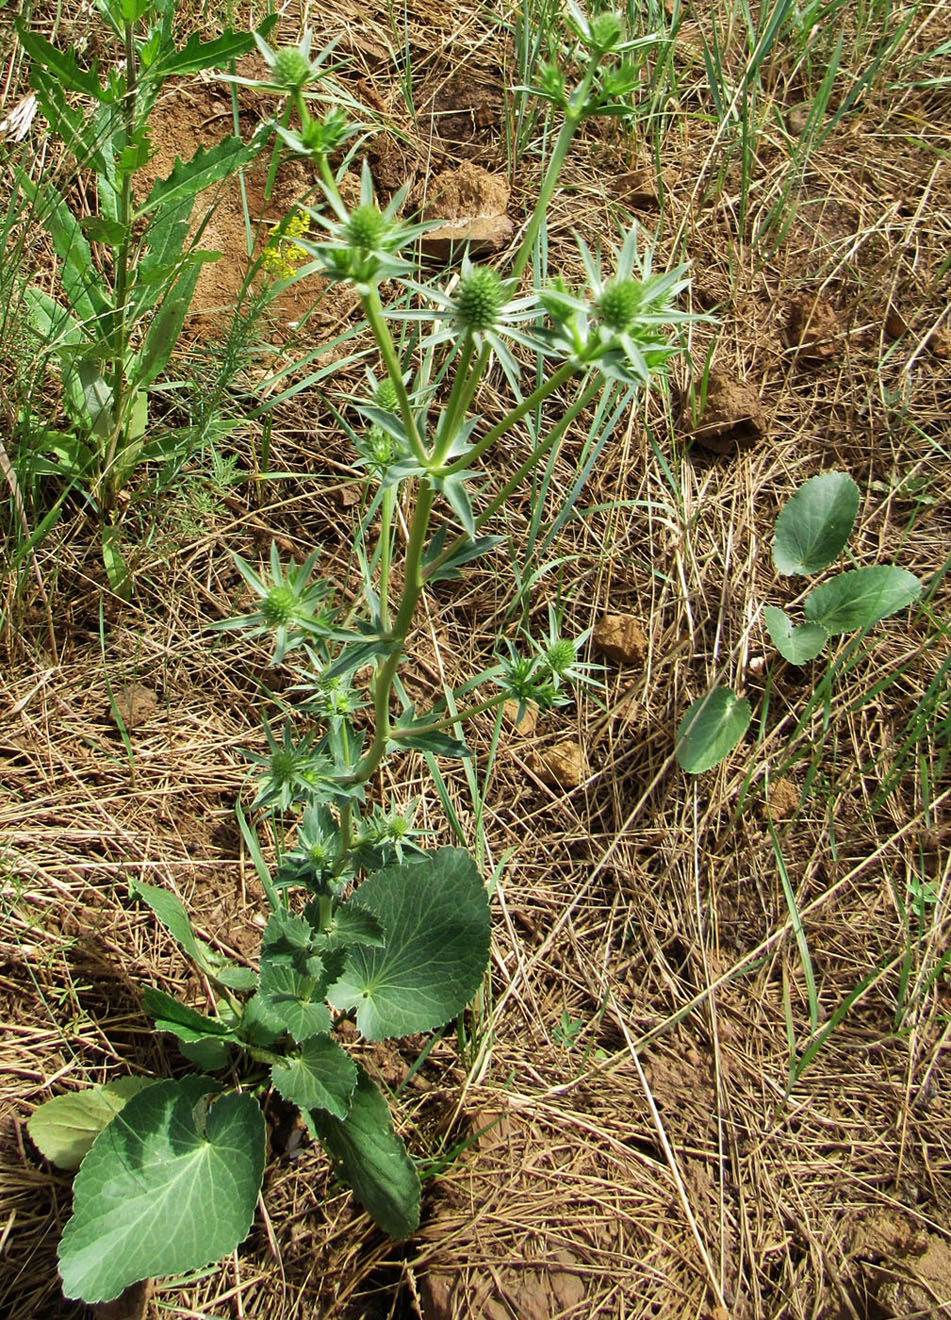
x=861 y=597
x=370 y=1157
x=797 y=643
x=436 y=925
x=814 y=524
x=64 y=1128
x=170 y=1185
x=321 y=1077
x=710 y=730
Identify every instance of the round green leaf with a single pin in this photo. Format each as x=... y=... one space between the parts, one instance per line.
x=814 y=524
x=435 y=919
x=64 y=1128
x=170 y=1185
x=710 y=730
x=797 y=644
x=861 y=597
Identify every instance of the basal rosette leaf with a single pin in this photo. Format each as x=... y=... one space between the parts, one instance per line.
x=711 y=728
x=861 y=597
x=435 y=918
x=64 y=1128
x=170 y=1185
x=371 y=1158
x=814 y=524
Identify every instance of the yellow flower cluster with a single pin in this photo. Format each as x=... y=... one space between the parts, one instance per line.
x=282 y=256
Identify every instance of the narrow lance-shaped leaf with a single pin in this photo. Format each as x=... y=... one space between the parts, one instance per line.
x=814 y=524
x=370 y=1157
x=170 y=1185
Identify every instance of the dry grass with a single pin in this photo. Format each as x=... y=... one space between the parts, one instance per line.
x=658 y=1164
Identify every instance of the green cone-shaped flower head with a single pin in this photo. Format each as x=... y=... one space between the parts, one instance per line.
x=480 y=297
x=385 y=396
x=366 y=227
x=291 y=70
x=619 y=304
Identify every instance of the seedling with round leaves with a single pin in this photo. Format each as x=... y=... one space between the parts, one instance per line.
x=812 y=530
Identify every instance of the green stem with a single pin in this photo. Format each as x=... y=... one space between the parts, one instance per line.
x=121 y=286
x=574 y=115
x=386 y=674
x=564 y=373
x=451 y=720
x=373 y=310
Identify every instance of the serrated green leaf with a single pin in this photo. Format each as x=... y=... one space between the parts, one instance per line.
x=435 y=919
x=292 y=1000
x=815 y=523
x=322 y=1076
x=798 y=643
x=64 y=1128
x=197 y=55
x=371 y=1158
x=170 y=1185
x=60 y=63
x=711 y=728
x=205 y=168
x=286 y=933
x=861 y=597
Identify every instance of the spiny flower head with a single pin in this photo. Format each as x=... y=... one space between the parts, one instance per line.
x=619 y=304
x=480 y=297
x=385 y=396
x=291 y=69
x=366 y=227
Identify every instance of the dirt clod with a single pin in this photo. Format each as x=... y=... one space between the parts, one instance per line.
x=732 y=417
x=563 y=764
x=782 y=799
x=524 y=725
x=812 y=328
x=621 y=637
x=472 y=202
x=939 y=343
x=134 y=704
x=895 y=323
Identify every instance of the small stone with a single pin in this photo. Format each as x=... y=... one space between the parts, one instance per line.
x=732 y=417
x=564 y=764
x=621 y=637
x=472 y=203
x=134 y=704
x=812 y=328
